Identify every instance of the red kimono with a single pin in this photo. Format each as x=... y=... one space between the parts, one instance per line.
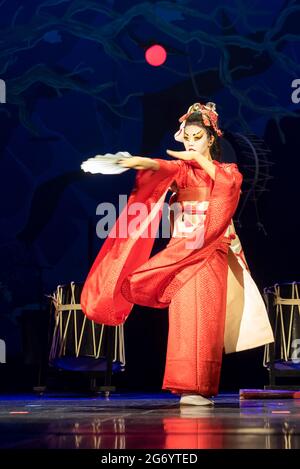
x=192 y=282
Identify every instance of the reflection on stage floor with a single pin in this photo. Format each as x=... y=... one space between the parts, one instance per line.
x=146 y=421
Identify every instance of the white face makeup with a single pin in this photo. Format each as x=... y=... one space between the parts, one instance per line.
x=196 y=138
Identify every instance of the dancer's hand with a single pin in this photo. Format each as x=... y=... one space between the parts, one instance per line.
x=183 y=155
x=202 y=160
x=138 y=162
x=133 y=162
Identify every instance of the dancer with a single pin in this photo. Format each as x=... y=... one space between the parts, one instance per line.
x=202 y=274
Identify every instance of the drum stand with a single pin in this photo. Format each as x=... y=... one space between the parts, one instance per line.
x=280 y=371
x=79 y=344
x=107 y=388
x=283 y=314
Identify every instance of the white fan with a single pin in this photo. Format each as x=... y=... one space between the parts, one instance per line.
x=105 y=164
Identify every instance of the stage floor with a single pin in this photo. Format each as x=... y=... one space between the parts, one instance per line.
x=146 y=421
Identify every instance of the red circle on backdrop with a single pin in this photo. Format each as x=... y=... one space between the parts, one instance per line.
x=156 y=55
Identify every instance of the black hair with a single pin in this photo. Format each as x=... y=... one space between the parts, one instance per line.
x=215 y=149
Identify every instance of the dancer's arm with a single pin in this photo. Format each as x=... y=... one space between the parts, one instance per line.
x=206 y=164
x=139 y=162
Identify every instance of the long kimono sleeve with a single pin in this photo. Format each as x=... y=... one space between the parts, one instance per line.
x=155 y=282
x=101 y=298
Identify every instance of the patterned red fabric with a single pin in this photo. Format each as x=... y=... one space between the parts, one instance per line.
x=192 y=282
x=196 y=329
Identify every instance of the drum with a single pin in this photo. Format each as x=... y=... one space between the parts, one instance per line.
x=78 y=343
x=283 y=304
